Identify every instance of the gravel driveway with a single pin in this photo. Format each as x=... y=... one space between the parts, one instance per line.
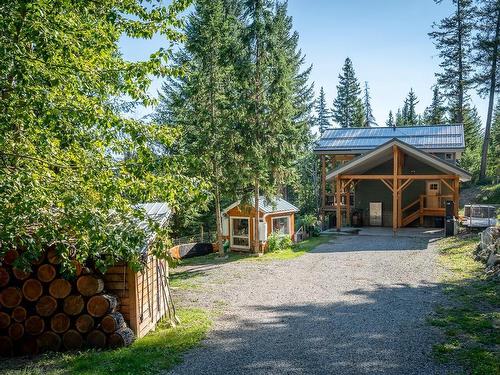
x=355 y=305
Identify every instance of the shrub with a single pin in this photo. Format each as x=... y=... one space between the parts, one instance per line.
x=278 y=242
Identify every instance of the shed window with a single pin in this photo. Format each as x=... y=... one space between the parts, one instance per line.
x=281 y=225
x=240 y=232
x=433 y=187
x=448 y=156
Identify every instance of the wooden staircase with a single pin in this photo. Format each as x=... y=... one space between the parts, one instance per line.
x=422 y=211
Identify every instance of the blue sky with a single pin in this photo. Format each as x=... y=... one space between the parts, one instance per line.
x=386 y=40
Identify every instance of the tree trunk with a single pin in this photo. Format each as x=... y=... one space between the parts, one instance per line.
x=101 y=305
x=89 y=285
x=112 y=322
x=218 y=219
x=460 y=114
x=486 y=142
x=46 y=306
x=73 y=305
x=11 y=297
x=49 y=341
x=34 y=325
x=121 y=338
x=84 y=323
x=60 y=288
x=60 y=323
x=257 y=218
x=96 y=339
x=32 y=289
x=72 y=340
x=46 y=273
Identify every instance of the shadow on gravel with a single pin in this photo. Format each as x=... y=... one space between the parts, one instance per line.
x=383 y=332
x=359 y=243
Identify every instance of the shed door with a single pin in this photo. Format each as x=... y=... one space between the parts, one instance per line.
x=240 y=232
x=433 y=190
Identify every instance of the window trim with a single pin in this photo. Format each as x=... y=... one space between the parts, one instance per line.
x=232 y=236
x=282 y=217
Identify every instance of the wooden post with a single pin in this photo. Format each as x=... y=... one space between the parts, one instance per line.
x=339 y=213
x=400 y=192
x=421 y=210
x=347 y=191
x=323 y=182
x=332 y=165
x=456 y=195
x=394 y=189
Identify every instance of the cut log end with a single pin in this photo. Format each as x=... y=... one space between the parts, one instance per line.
x=11 y=297
x=101 y=305
x=89 y=285
x=60 y=323
x=46 y=306
x=96 y=339
x=84 y=323
x=112 y=322
x=19 y=314
x=46 y=273
x=4 y=277
x=4 y=320
x=34 y=325
x=32 y=290
x=49 y=341
x=10 y=256
x=60 y=288
x=16 y=331
x=122 y=337
x=72 y=340
x=53 y=256
x=20 y=274
x=73 y=305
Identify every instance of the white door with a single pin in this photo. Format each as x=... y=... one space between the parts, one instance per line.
x=240 y=232
x=433 y=190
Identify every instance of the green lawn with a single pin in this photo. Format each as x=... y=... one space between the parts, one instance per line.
x=294 y=251
x=158 y=351
x=471 y=320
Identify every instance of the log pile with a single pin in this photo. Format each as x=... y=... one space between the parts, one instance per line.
x=42 y=311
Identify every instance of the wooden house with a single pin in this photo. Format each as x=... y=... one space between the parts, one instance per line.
x=239 y=221
x=390 y=176
x=144 y=296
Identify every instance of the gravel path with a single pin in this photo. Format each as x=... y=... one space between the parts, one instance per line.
x=355 y=305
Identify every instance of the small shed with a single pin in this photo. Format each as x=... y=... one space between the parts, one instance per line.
x=239 y=221
x=144 y=296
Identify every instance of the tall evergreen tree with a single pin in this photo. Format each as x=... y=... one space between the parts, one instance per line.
x=487 y=79
x=276 y=129
x=347 y=106
x=453 y=37
x=471 y=157
x=409 y=114
x=435 y=113
x=322 y=118
x=202 y=103
x=390 y=120
x=399 y=118
x=494 y=154
x=369 y=118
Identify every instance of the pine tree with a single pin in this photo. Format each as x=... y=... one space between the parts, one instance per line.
x=409 y=114
x=369 y=118
x=494 y=154
x=471 y=157
x=435 y=113
x=348 y=107
x=452 y=38
x=487 y=78
x=322 y=120
x=390 y=120
x=399 y=118
x=203 y=103
x=276 y=127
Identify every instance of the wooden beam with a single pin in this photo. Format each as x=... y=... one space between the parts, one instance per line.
x=405 y=184
x=388 y=185
x=332 y=165
x=395 y=208
x=426 y=176
x=339 y=213
x=367 y=177
x=452 y=188
x=456 y=194
x=347 y=204
x=398 y=189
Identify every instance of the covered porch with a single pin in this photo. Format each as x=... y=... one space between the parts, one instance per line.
x=407 y=185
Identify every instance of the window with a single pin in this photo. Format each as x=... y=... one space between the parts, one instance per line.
x=448 y=156
x=281 y=225
x=433 y=187
x=240 y=232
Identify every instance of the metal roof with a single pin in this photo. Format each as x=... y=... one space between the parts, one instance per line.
x=269 y=206
x=159 y=212
x=428 y=137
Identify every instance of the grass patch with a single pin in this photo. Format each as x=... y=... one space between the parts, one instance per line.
x=294 y=251
x=471 y=321
x=158 y=351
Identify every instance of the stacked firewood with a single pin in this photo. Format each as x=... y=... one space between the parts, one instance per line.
x=42 y=311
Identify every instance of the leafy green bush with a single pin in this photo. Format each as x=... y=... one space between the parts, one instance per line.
x=278 y=242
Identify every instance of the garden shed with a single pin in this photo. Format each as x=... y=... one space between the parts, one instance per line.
x=239 y=221
x=43 y=310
